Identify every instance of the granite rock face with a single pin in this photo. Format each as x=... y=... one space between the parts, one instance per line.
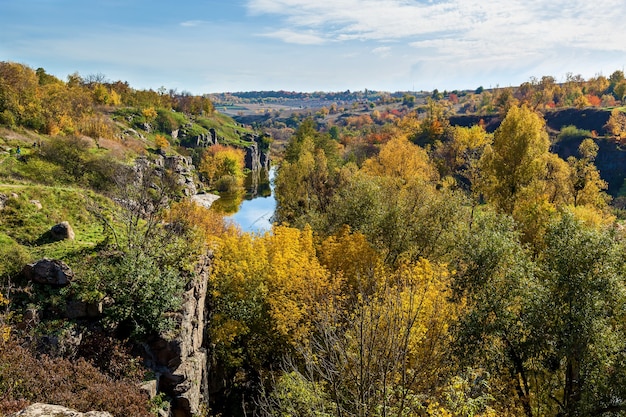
x=180 y=363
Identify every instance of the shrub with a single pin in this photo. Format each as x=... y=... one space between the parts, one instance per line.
x=168 y=121
x=77 y=384
x=142 y=292
x=572 y=133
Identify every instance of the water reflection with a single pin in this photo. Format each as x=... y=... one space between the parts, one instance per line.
x=255 y=212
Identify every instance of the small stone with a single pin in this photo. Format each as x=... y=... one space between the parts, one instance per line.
x=62 y=231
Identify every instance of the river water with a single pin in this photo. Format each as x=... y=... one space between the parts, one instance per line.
x=255 y=212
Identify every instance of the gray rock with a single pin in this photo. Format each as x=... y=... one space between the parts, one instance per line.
x=48 y=271
x=62 y=231
x=49 y=410
x=37 y=204
x=205 y=200
x=150 y=388
x=181 y=362
x=3 y=200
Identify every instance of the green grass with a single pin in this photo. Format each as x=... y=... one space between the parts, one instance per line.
x=25 y=223
x=226 y=128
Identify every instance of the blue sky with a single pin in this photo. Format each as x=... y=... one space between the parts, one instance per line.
x=207 y=46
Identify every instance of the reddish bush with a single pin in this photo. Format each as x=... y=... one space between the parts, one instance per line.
x=26 y=379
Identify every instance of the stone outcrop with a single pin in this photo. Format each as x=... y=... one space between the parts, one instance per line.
x=183 y=168
x=48 y=271
x=49 y=410
x=180 y=363
x=3 y=199
x=62 y=231
x=180 y=166
x=205 y=200
x=257 y=158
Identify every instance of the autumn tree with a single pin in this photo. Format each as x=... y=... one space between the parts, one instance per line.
x=616 y=124
x=223 y=167
x=458 y=155
x=401 y=159
x=266 y=291
x=515 y=164
x=306 y=178
x=588 y=187
x=20 y=103
x=383 y=353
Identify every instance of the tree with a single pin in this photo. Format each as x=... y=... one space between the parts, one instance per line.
x=223 y=167
x=495 y=283
x=515 y=164
x=583 y=318
x=616 y=125
x=588 y=187
x=306 y=179
x=402 y=160
x=382 y=354
x=161 y=142
x=460 y=152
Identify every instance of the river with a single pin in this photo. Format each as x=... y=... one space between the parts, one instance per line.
x=255 y=212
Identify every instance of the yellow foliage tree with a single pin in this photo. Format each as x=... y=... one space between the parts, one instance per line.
x=225 y=164
x=401 y=159
x=161 y=142
x=617 y=124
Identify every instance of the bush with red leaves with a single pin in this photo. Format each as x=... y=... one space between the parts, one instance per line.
x=25 y=379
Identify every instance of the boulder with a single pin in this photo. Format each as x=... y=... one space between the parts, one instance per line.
x=48 y=271
x=49 y=410
x=3 y=200
x=62 y=231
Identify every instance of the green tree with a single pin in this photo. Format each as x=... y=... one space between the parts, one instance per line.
x=582 y=271
x=306 y=179
x=495 y=282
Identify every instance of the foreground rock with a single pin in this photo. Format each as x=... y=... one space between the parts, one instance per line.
x=49 y=410
x=48 y=271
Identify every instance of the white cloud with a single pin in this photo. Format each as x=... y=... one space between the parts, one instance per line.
x=521 y=26
x=192 y=23
x=382 y=51
x=292 y=36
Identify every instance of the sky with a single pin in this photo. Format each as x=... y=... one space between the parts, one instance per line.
x=210 y=46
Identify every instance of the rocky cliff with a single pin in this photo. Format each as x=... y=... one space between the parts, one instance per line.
x=180 y=363
x=257 y=154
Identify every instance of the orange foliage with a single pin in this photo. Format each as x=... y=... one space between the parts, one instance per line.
x=191 y=216
x=594 y=100
x=161 y=142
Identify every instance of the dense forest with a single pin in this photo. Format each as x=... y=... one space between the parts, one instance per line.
x=416 y=267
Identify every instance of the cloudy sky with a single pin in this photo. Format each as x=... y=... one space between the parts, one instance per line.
x=205 y=46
